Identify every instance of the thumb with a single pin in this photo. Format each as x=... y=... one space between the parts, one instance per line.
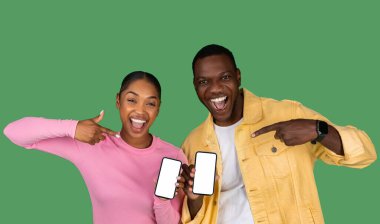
x=98 y=118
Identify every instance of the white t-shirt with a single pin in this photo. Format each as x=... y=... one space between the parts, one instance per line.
x=233 y=202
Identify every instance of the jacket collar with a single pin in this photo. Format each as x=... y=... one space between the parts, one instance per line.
x=252 y=108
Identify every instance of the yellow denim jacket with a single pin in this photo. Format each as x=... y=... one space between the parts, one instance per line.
x=279 y=179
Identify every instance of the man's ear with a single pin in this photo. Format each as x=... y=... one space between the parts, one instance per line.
x=238 y=76
x=117 y=101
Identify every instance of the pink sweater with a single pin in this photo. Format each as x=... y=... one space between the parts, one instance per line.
x=119 y=177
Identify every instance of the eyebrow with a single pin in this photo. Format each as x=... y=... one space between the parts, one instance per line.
x=132 y=93
x=202 y=76
x=150 y=97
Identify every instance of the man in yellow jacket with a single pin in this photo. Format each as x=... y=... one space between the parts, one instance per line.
x=266 y=150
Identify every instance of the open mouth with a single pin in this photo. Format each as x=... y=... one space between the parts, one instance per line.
x=220 y=103
x=137 y=123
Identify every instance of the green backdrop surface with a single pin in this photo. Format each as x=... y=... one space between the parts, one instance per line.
x=66 y=59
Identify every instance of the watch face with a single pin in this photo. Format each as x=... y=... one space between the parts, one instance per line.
x=323 y=127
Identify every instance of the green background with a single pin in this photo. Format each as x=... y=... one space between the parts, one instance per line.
x=66 y=59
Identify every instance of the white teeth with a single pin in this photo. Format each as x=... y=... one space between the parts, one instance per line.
x=220 y=99
x=138 y=121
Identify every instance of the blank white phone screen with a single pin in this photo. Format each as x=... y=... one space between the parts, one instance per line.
x=204 y=173
x=167 y=178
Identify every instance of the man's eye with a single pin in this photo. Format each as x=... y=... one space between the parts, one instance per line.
x=131 y=100
x=226 y=77
x=151 y=104
x=202 y=82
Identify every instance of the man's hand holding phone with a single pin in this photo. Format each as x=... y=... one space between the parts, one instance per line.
x=203 y=184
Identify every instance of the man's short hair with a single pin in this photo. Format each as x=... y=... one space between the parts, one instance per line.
x=213 y=49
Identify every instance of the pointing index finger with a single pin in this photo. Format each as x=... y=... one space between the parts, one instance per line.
x=266 y=129
x=109 y=132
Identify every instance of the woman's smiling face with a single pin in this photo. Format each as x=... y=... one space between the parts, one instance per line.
x=138 y=104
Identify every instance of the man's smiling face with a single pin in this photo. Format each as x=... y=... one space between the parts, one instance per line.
x=217 y=82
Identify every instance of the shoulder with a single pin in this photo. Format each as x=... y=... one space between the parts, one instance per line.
x=164 y=144
x=196 y=132
x=269 y=102
x=267 y=106
x=171 y=150
x=284 y=109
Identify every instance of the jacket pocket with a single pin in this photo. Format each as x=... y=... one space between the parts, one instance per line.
x=273 y=157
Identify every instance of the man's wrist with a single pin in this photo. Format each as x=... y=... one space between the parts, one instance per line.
x=194 y=205
x=321 y=128
x=195 y=201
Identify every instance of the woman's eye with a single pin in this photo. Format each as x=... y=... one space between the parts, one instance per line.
x=131 y=100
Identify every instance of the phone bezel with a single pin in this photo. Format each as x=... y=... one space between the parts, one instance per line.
x=195 y=165
x=159 y=174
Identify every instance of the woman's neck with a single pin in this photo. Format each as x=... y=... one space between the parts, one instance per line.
x=140 y=143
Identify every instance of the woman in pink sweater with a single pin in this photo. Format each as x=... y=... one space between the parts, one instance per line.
x=119 y=168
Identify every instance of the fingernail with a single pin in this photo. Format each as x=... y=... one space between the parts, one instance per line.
x=177 y=184
x=117 y=136
x=253 y=135
x=178 y=178
x=101 y=112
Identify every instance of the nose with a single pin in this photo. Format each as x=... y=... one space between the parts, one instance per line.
x=140 y=108
x=216 y=87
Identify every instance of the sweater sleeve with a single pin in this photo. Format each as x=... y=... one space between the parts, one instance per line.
x=165 y=211
x=47 y=135
x=168 y=211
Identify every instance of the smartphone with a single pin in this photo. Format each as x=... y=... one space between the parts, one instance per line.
x=205 y=170
x=167 y=178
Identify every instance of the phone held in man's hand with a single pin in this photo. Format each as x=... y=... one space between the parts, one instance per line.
x=205 y=171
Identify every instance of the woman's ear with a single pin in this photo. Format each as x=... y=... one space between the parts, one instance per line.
x=117 y=101
x=159 y=106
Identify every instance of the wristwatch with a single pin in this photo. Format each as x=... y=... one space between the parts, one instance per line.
x=322 y=130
